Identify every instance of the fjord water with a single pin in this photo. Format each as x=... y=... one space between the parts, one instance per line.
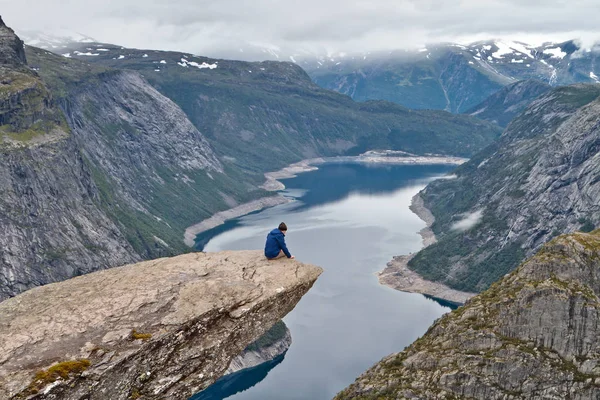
x=349 y=219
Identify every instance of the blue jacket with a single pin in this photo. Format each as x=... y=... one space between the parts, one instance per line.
x=276 y=243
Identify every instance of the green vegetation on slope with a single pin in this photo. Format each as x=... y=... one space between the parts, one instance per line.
x=538 y=181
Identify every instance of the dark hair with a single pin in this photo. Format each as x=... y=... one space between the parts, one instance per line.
x=282 y=226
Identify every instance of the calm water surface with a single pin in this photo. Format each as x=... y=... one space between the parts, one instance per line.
x=349 y=219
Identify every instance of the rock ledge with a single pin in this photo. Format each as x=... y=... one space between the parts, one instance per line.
x=192 y=313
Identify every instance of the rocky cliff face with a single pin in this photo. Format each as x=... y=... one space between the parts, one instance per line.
x=538 y=181
x=158 y=329
x=504 y=105
x=532 y=335
x=53 y=228
x=116 y=178
x=12 y=52
x=27 y=108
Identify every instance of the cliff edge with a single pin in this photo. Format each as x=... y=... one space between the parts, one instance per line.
x=165 y=328
x=534 y=334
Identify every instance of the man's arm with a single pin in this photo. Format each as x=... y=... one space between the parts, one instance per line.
x=281 y=242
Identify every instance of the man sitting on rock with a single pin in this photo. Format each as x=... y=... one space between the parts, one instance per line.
x=275 y=246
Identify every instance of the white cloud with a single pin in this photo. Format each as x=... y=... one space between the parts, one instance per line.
x=218 y=27
x=469 y=220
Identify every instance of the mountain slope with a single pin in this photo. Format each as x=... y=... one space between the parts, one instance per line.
x=275 y=107
x=508 y=102
x=539 y=180
x=532 y=335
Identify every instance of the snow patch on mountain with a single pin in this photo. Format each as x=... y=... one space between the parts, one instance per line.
x=185 y=63
x=555 y=52
x=507 y=47
x=79 y=53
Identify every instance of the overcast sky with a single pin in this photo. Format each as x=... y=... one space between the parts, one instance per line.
x=219 y=27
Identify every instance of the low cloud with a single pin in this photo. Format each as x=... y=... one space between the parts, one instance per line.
x=469 y=220
x=220 y=28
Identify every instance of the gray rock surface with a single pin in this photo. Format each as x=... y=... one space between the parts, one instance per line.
x=196 y=311
x=12 y=52
x=533 y=335
x=46 y=239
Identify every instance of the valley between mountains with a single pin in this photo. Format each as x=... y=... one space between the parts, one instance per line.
x=113 y=159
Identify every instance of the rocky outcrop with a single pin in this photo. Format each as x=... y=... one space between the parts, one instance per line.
x=274 y=343
x=158 y=329
x=27 y=109
x=535 y=334
x=508 y=102
x=12 y=52
x=538 y=181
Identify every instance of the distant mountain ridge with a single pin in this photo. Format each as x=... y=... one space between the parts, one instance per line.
x=445 y=76
x=508 y=102
x=451 y=76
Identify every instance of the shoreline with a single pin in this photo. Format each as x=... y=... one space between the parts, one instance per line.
x=398 y=276
x=273 y=184
x=189 y=237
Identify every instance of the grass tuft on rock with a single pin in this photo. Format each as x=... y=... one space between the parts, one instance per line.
x=63 y=370
x=135 y=335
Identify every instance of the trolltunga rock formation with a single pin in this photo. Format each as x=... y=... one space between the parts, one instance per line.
x=158 y=329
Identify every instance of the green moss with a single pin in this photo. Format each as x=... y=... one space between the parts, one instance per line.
x=135 y=394
x=14 y=82
x=63 y=370
x=135 y=335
